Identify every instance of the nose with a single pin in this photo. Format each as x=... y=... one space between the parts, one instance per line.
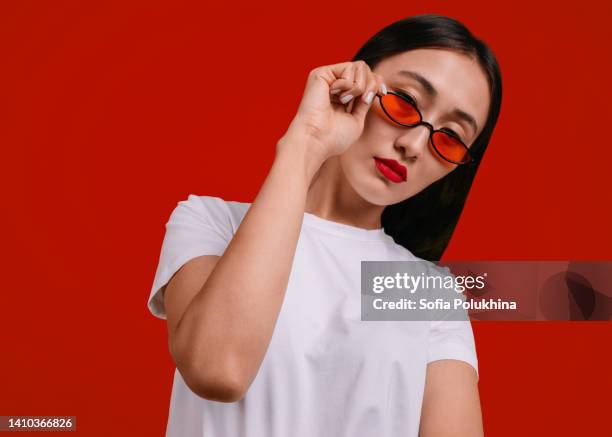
x=413 y=142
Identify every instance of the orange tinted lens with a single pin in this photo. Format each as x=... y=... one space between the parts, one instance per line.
x=400 y=110
x=450 y=147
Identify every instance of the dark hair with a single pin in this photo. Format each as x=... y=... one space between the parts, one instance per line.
x=425 y=222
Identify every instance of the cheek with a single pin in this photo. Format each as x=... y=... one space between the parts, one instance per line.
x=377 y=116
x=354 y=161
x=429 y=170
x=377 y=110
x=436 y=169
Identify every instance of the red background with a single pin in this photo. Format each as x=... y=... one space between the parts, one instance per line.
x=113 y=112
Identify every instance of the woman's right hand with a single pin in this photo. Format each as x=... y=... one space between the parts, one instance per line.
x=326 y=116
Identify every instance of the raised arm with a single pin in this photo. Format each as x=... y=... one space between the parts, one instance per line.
x=221 y=311
x=218 y=336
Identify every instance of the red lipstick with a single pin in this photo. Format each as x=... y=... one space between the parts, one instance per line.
x=391 y=169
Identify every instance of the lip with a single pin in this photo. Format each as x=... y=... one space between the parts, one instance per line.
x=391 y=169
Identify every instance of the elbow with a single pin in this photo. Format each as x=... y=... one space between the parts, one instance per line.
x=220 y=389
x=220 y=382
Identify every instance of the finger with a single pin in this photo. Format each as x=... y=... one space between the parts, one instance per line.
x=382 y=89
x=340 y=85
x=370 y=90
x=361 y=77
x=348 y=75
x=340 y=70
x=359 y=81
x=350 y=105
x=330 y=73
x=365 y=102
x=319 y=81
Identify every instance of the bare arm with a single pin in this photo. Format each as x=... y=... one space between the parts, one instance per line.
x=451 y=404
x=221 y=311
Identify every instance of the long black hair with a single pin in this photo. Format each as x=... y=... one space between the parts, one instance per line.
x=424 y=223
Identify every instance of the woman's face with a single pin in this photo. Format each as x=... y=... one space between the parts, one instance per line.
x=449 y=89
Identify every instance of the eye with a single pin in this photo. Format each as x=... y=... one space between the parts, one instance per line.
x=407 y=96
x=453 y=133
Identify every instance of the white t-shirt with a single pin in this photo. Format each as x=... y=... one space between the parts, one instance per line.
x=326 y=372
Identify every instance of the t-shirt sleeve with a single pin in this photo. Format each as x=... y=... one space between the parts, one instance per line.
x=200 y=225
x=452 y=337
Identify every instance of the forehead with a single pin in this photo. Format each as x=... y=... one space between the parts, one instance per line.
x=458 y=79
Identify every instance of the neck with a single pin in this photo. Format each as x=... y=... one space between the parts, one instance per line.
x=331 y=197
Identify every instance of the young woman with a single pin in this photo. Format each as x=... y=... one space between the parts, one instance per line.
x=262 y=300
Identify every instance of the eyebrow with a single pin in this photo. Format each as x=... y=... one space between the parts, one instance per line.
x=432 y=92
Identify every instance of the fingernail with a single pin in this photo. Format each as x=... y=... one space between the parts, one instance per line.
x=335 y=91
x=383 y=88
x=369 y=96
x=346 y=99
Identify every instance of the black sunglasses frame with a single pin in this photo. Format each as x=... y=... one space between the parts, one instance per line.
x=471 y=160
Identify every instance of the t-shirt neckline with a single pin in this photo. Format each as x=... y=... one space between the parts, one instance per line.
x=345 y=230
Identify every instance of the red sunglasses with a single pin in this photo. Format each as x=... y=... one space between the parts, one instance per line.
x=402 y=110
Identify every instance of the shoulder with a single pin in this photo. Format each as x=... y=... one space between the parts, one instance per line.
x=211 y=210
x=198 y=225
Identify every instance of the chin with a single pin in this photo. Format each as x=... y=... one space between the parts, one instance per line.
x=370 y=185
x=376 y=191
